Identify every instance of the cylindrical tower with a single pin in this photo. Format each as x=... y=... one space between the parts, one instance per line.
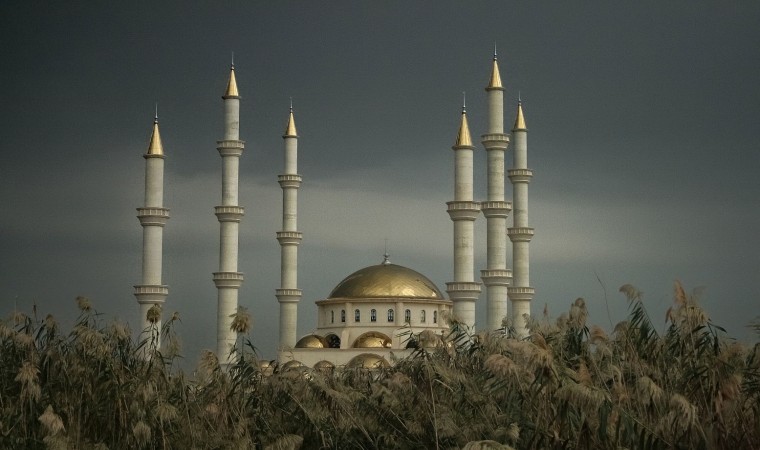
x=464 y=290
x=496 y=276
x=520 y=292
x=228 y=280
x=153 y=217
x=288 y=295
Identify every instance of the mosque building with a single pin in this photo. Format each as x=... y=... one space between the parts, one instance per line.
x=377 y=312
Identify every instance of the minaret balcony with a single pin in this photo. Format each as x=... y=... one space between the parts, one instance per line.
x=289 y=181
x=523 y=234
x=228 y=279
x=229 y=213
x=496 y=208
x=520 y=293
x=289 y=237
x=230 y=148
x=496 y=277
x=463 y=290
x=153 y=216
x=288 y=295
x=151 y=293
x=520 y=175
x=496 y=141
x=463 y=210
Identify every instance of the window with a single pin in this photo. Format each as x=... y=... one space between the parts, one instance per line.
x=435 y=316
x=408 y=316
x=390 y=315
x=422 y=316
x=373 y=315
x=343 y=315
x=357 y=316
x=332 y=316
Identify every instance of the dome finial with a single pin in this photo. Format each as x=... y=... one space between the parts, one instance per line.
x=386 y=256
x=464 y=102
x=494 y=50
x=232 y=61
x=155 y=118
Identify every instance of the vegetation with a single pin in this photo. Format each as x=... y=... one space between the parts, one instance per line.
x=566 y=386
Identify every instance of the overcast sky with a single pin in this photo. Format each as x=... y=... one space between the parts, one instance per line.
x=643 y=137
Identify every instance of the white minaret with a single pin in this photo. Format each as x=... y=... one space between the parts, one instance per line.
x=228 y=280
x=520 y=293
x=464 y=290
x=496 y=277
x=153 y=217
x=288 y=295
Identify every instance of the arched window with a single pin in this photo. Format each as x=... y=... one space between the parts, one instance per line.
x=343 y=315
x=357 y=316
x=435 y=316
x=332 y=316
x=390 y=315
x=422 y=316
x=373 y=315
x=408 y=316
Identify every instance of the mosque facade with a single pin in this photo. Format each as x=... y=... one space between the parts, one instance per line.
x=377 y=313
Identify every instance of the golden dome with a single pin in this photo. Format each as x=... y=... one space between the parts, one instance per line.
x=324 y=366
x=367 y=361
x=312 y=341
x=372 y=339
x=386 y=281
x=292 y=364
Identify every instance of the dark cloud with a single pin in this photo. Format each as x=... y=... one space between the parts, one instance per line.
x=641 y=121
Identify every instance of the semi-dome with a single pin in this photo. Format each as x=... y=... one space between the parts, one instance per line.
x=368 y=361
x=386 y=280
x=312 y=341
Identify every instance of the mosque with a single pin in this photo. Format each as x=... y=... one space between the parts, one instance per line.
x=373 y=312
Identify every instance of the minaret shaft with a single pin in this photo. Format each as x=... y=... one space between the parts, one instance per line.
x=289 y=238
x=520 y=293
x=153 y=217
x=228 y=280
x=463 y=291
x=496 y=277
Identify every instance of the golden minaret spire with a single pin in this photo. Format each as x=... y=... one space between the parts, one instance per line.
x=495 y=76
x=232 y=90
x=290 y=129
x=155 y=147
x=464 y=130
x=520 y=119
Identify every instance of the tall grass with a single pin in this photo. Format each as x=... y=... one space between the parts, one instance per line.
x=567 y=386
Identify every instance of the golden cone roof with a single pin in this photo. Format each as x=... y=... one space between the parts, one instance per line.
x=520 y=119
x=386 y=281
x=155 y=147
x=290 y=129
x=232 y=90
x=463 y=138
x=495 y=76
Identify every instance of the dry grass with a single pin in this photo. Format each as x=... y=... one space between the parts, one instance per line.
x=564 y=387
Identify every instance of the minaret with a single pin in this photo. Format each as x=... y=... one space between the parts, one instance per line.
x=288 y=295
x=496 y=277
x=520 y=293
x=153 y=217
x=228 y=280
x=464 y=290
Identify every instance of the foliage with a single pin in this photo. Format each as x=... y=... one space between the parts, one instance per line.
x=566 y=386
